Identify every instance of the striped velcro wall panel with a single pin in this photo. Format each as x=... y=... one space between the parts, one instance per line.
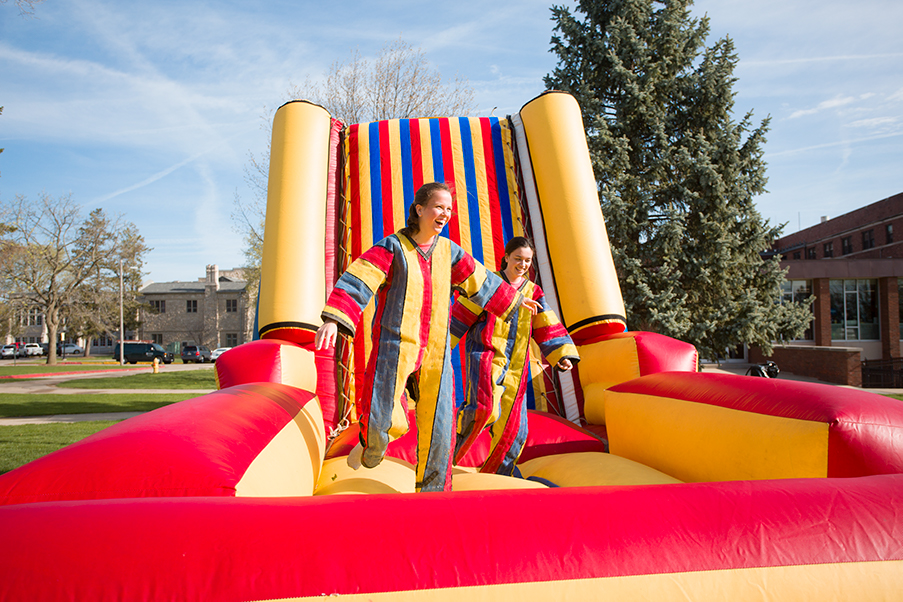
x=385 y=162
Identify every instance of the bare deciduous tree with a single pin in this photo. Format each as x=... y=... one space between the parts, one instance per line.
x=52 y=251
x=26 y=7
x=400 y=83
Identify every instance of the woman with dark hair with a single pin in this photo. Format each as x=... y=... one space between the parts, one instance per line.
x=412 y=274
x=497 y=362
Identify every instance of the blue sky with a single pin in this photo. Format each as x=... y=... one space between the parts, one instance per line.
x=150 y=110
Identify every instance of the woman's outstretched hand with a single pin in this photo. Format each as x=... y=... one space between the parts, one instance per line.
x=326 y=335
x=532 y=305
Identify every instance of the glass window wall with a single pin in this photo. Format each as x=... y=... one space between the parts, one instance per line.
x=854 y=310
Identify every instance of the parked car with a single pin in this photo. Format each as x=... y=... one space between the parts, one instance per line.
x=69 y=349
x=11 y=350
x=218 y=352
x=195 y=353
x=33 y=349
x=142 y=351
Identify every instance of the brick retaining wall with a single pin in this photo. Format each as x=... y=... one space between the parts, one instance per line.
x=839 y=365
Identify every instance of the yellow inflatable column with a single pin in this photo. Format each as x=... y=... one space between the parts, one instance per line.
x=570 y=219
x=293 y=270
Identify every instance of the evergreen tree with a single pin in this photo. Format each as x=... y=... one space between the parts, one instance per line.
x=676 y=173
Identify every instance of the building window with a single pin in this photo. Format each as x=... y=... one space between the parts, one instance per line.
x=191 y=306
x=854 y=310
x=900 y=304
x=797 y=255
x=157 y=338
x=158 y=306
x=798 y=291
x=231 y=306
x=888 y=234
x=102 y=342
x=868 y=239
x=33 y=317
x=231 y=339
x=810 y=253
x=829 y=249
x=846 y=245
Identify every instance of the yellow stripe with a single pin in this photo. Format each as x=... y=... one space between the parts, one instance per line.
x=457 y=159
x=850 y=581
x=434 y=357
x=426 y=150
x=369 y=274
x=398 y=215
x=363 y=145
x=697 y=442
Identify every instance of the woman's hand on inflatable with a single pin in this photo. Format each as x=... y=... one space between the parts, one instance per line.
x=564 y=365
x=326 y=335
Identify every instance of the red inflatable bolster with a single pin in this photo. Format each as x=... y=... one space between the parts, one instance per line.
x=865 y=429
x=256 y=361
x=197 y=447
x=259 y=361
x=548 y=435
x=272 y=548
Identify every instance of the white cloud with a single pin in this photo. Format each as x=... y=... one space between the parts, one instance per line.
x=838 y=101
x=874 y=122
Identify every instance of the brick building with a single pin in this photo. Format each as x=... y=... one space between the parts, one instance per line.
x=214 y=311
x=853 y=265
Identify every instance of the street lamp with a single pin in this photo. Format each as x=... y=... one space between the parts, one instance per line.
x=121 y=319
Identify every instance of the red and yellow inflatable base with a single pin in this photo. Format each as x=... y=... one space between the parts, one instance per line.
x=235 y=496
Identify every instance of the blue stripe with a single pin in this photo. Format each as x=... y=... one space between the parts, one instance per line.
x=470 y=177
x=376 y=189
x=436 y=146
x=355 y=288
x=407 y=170
x=498 y=149
x=459 y=381
x=530 y=395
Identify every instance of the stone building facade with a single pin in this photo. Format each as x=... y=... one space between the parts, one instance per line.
x=215 y=311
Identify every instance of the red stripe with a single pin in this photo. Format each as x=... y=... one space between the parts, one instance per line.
x=416 y=154
x=448 y=167
x=343 y=302
x=385 y=168
x=426 y=306
x=495 y=206
x=332 y=203
x=355 y=185
x=380 y=257
x=502 y=299
x=596 y=332
x=463 y=269
x=552 y=331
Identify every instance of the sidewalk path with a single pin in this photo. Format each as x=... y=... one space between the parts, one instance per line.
x=67 y=418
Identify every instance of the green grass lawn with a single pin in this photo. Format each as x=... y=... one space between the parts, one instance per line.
x=30 y=404
x=184 y=379
x=24 y=443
